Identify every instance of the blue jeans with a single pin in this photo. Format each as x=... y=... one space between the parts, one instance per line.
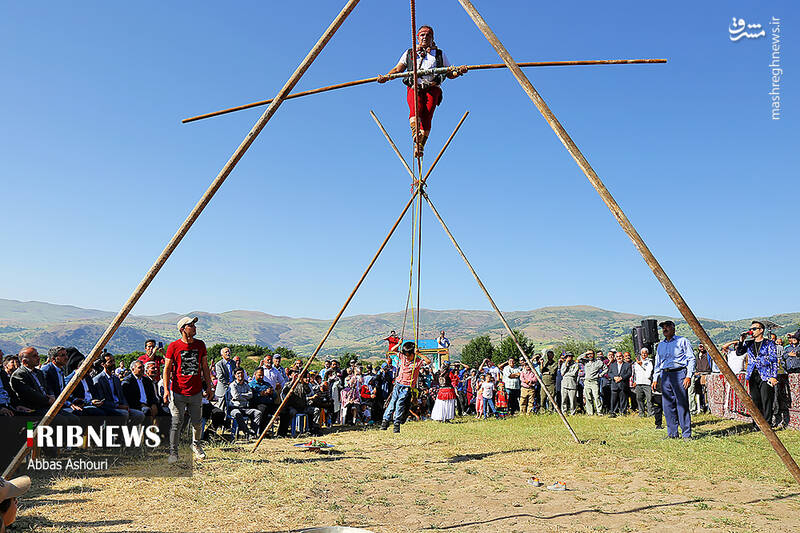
x=398 y=404
x=488 y=403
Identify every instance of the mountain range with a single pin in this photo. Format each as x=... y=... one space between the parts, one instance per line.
x=44 y=325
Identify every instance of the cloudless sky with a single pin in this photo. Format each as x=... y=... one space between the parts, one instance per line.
x=98 y=172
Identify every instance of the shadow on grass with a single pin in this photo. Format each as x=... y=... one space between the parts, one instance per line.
x=28 y=503
x=561 y=515
x=478 y=456
x=738 y=429
x=35 y=522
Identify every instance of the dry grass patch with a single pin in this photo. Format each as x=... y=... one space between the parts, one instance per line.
x=466 y=476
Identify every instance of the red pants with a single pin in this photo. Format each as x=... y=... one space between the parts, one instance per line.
x=426 y=104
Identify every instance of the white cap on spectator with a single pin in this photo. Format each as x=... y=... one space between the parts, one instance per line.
x=186 y=320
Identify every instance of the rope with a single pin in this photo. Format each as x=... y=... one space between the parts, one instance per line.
x=410 y=274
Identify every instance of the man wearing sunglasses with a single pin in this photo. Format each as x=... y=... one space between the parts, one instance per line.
x=762 y=367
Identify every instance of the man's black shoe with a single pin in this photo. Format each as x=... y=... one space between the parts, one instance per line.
x=397 y=428
x=659 y=426
x=384 y=425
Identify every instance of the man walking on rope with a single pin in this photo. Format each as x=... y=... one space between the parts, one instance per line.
x=429 y=86
x=410 y=363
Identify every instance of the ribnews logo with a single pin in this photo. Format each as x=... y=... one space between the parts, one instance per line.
x=106 y=436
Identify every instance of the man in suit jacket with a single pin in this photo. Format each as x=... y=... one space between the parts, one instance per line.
x=138 y=391
x=55 y=371
x=30 y=386
x=619 y=373
x=224 y=370
x=110 y=390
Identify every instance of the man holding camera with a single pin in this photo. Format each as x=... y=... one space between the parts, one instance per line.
x=762 y=367
x=673 y=368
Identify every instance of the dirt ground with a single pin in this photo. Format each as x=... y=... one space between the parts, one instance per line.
x=466 y=476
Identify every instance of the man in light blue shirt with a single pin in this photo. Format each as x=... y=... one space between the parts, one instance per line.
x=674 y=367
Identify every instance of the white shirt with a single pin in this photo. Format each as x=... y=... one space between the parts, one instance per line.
x=736 y=362
x=494 y=371
x=511 y=383
x=427 y=62
x=443 y=342
x=642 y=373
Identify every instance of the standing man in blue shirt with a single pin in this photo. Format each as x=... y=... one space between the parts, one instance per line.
x=674 y=367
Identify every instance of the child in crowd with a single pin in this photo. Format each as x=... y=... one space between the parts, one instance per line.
x=501 y=400
x=444 y=408
x=487 y=395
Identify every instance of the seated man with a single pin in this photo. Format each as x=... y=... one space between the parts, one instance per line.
x=139 y=393
x=30 y=386
x=109 y=388
x=263 y=397
x=10 y=365
x=240 y=395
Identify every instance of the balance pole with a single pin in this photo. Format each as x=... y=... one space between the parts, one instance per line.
x=425 y=72
x=638 y=242
x=502 y=318
x=184 y=228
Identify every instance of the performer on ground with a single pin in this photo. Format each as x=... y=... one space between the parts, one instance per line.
x=186 y=373
x=430 y=93
x=762 y=367
x=411 y=361
x=674 y=367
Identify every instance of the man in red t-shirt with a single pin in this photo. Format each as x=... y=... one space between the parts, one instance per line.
x=151 y=353
x=393 y=341
x=184 y=384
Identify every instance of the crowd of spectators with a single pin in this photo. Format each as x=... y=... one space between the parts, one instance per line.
x=595 y=383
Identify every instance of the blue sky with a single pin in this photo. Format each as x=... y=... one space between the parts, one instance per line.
x=98 y=171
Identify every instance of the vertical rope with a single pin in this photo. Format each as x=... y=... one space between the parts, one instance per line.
x=410 y=274
x=414 y=70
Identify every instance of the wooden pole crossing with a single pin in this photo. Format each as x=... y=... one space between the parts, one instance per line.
x=441 y=70
x=638 y=242
x=187 y=224
x=472 y=270
x=355 y=289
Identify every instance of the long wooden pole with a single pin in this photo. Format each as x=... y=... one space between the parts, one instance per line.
x=441 y=70
x=187 y=224
x=638 y=242
x=502 y=318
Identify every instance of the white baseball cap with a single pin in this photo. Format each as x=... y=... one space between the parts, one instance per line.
x=186 y=320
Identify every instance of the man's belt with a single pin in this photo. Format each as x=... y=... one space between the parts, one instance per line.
x=678 y=369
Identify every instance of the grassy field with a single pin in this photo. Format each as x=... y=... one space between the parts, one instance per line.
x=466 y=476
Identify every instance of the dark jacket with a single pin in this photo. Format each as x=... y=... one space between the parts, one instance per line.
x=130 y=389
x=28 y=390
x=53 y=381
x=103 y=384
x=625 y=373
x=79 y=393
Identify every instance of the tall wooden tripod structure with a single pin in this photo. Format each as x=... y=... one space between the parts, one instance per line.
x=419 y=193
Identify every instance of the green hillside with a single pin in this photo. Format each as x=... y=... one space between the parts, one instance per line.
x=45 y=325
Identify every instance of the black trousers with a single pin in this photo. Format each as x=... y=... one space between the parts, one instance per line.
x=762 y=394
x=513 y=400
x=619 y=400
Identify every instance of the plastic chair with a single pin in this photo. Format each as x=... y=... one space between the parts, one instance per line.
x=299 y=424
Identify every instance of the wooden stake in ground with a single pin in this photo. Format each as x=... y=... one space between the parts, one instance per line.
x=626 y=225
x=187 y=224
